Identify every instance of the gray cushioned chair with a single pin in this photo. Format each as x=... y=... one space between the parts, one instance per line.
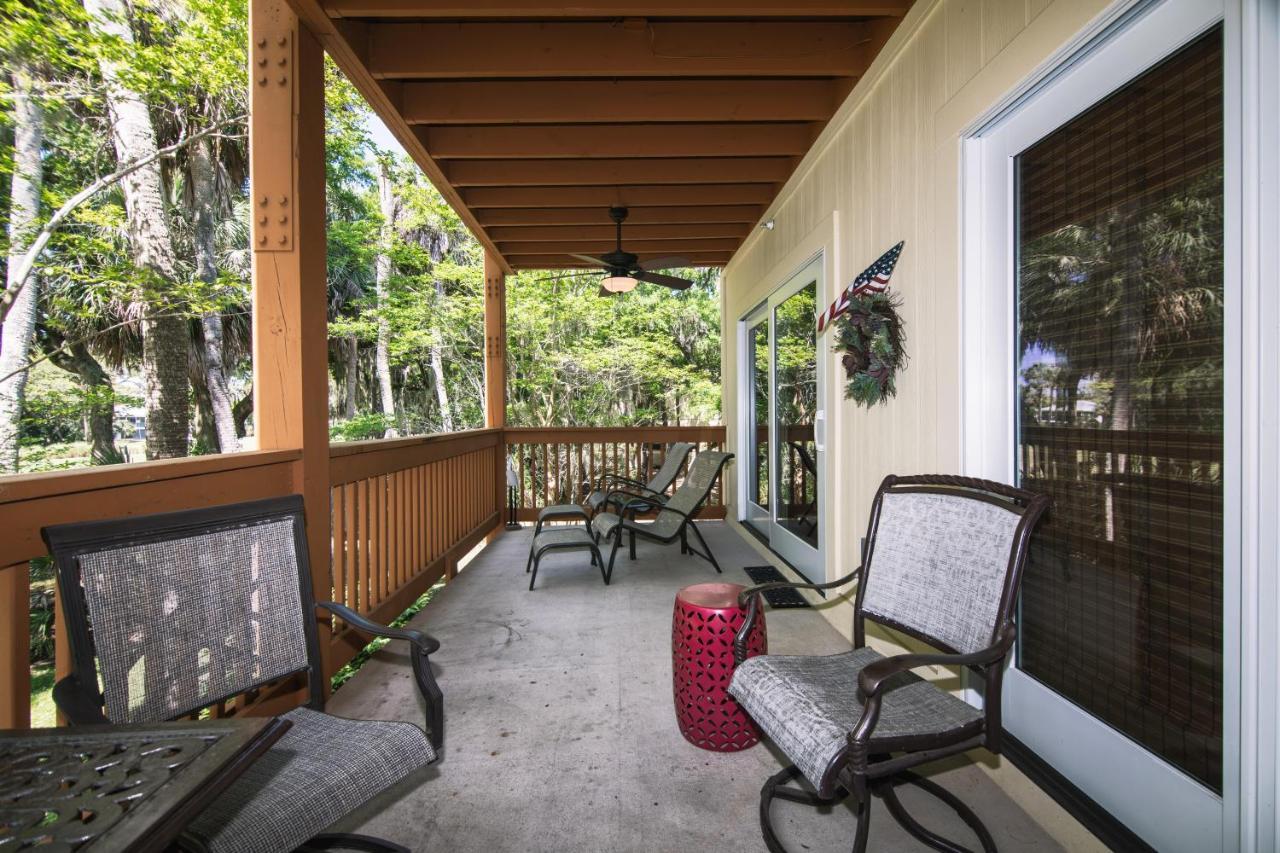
x=181 y=610
x=943 y=561
x=674 y=519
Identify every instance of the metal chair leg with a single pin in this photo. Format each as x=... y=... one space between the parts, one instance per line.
x=533 y=577
x=349 y=841
x=711 y=558
x=633 y=544
x=775 y=787
x=597 y=560
x=920 y=833
x=617 y=543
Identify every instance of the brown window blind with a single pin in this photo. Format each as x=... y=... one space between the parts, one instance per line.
x=1120 y=380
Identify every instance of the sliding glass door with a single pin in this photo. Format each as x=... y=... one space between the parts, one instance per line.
x=1111 y=183
x=781 y=416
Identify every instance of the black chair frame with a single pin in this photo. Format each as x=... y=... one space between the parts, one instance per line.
x=634 y=529
x=861 y=771
x=78 y=696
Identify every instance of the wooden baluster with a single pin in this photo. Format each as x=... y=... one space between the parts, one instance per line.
x=15 y=640
x=337 y=535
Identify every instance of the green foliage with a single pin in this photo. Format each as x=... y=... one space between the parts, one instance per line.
x=871 y=337
x=360 y=428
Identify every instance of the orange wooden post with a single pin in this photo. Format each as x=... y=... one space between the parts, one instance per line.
x=287 y=189
x=15 y=660
x=495 y=373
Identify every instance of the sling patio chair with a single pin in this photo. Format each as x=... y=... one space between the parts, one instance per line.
x=675 y=517
x=943 y=561
x=616 y=490
x=181 y=610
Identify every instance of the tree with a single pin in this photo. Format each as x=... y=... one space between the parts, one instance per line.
x=389 y=208
x=164 y=335
x=24 y=210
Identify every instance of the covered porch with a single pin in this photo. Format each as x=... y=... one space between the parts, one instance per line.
x=562 y=731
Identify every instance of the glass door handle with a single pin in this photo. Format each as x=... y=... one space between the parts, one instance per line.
x=820 y=431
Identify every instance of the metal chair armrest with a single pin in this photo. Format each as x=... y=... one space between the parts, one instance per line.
x=425 y=642
x=423 y=645
x=872 y=678
x=750 y=599
x=75 y=699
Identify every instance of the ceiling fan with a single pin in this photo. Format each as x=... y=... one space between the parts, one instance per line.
x=622 y=268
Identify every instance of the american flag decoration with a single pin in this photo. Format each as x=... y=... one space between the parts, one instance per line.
x=874 y=279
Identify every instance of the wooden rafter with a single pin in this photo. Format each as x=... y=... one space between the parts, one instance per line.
x=629 y=48
x=598 y=215
x=601 y=101
x=534 y=9
x=555 y=262
x=617 y=140
x=632 y=233
x=598 y=247
x=726 y=170
x=652 y=195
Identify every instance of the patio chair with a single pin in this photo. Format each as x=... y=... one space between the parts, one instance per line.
x=616 y=490
x=943 y=561
x=181 y=610
x=673 y=522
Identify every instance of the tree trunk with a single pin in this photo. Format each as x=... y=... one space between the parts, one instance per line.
x=99 y=397
x=437 y=367
x=242 y=411
x=204 y=198
x=382 y=280
x=24 y=208
x=352 y=382
x=164 y=337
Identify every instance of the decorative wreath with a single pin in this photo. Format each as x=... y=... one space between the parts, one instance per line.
x=871 y=336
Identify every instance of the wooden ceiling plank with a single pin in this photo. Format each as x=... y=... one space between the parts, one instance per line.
x=749 y=213
x=597 y=247
x=614 y=101
x=524 y=9
x=471 y=50
x=631 y=233
x=577 y=141
x=559 y=262
x=724 y=170
x=653 y=195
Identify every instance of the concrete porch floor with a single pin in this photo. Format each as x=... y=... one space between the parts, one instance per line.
x=560 y=730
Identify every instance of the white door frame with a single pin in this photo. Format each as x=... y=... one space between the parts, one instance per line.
x=1158 y=802
x=805 y=558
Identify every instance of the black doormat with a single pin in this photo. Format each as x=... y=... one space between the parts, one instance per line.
x=777 y=598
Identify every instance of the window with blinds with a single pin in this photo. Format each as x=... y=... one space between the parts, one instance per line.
x=1120 y=389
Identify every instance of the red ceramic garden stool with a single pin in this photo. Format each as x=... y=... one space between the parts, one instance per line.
x=707 y=617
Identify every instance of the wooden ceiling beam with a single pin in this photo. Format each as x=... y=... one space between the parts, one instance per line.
x=710 y=170
x=597 y=248
x=749 y=213
x=631 y=234
x=631 y=48
x=526 y=9
x=564 y=262
x=653 y=195
x=615 y=101
x=577 y=141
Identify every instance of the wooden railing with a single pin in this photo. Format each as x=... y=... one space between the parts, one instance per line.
x=402 y=514
x=28 y=503
x=552 y=464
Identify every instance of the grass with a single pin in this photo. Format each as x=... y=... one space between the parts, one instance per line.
x=43 y=712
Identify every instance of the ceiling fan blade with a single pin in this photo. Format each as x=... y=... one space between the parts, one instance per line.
x=664 y=263
x=595 y=261
x=670 y=281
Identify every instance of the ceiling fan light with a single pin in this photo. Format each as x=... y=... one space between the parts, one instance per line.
x=618 y=283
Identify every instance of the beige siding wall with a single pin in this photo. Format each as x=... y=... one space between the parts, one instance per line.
x=888 y=169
